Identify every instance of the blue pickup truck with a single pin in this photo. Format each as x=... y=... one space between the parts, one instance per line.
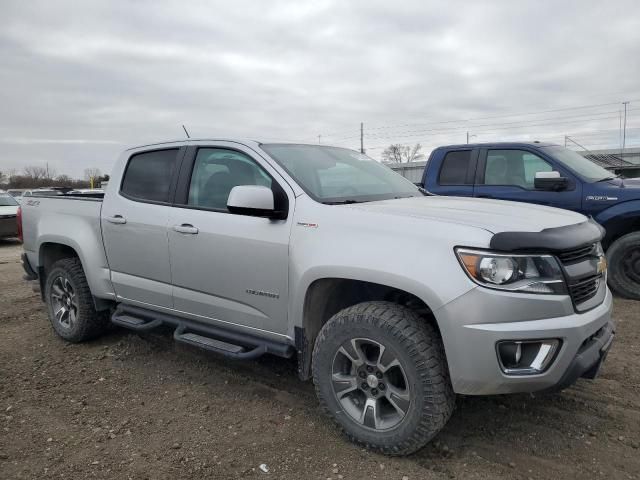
x=552 y=175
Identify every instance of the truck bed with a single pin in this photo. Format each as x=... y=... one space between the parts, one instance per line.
x=72 y=221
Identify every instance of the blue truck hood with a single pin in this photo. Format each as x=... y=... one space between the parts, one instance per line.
x=618 y=189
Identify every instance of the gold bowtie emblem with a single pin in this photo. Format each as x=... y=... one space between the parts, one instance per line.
x=602 y=264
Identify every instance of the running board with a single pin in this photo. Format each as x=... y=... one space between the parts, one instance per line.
x=212 y=345
x=139 y=324
x=229 y=343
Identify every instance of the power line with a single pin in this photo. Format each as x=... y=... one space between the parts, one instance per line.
x=579 y=107
x=354 y=134
x=523 y=123
x=504 y=126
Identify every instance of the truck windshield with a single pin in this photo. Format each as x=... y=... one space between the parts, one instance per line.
x=584 y=167
x=334 y=175
x=7 y=200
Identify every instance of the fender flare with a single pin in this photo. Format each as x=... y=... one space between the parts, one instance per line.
x=619 y=219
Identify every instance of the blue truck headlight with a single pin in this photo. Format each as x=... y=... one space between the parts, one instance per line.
x=512 y=272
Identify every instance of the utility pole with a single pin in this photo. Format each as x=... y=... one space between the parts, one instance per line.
x=361 y=137
x=620 y=131
x=565 y=141
x=624 y=125
x=319 y=137
x=469 y=136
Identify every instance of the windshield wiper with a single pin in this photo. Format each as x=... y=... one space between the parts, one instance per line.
x=608 y=178
x=343 y=202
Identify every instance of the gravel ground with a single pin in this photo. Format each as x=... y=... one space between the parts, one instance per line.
x=127 y=406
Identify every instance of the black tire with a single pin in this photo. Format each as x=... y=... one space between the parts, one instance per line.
x=83 y=322
x=623 y=257
x=410 y=341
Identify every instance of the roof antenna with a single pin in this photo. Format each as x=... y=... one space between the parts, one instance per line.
x=185 y=131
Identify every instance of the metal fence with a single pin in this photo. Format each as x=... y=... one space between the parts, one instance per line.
x=411 y=171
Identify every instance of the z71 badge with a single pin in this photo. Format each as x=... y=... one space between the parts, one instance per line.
x=601 y=198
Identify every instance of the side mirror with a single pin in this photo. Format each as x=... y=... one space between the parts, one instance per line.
x=549 y=181
x=253 y=200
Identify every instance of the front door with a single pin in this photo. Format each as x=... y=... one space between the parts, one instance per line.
x=508 y=174
x=134 y=228
x=228 y=268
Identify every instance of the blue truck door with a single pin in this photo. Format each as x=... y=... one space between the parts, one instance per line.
x=451 y=172
x=508 y=174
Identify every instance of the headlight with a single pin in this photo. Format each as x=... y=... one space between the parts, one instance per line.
x=521 y=273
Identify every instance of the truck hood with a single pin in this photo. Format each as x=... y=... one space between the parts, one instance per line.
x=492 y=215
x=621 y=189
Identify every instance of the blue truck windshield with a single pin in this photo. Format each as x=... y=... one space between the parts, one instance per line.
x=584 y=167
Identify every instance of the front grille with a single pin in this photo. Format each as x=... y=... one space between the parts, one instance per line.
x=584 y=289
x=576 y=254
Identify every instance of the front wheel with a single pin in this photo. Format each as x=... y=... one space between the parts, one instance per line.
x=380 y=372
x=623 y=257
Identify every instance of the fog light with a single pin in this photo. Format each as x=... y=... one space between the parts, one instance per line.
x=526 y=357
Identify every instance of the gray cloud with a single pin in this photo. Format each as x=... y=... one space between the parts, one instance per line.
x=82 y=80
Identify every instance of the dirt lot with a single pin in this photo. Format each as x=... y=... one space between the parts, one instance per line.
x=131 y=407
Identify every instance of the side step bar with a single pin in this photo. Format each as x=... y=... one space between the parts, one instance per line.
x=229 y=343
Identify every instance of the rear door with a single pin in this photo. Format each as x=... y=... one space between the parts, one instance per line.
x=453 y=173
x=229 y=268
x=508 y=174
x=134 y=228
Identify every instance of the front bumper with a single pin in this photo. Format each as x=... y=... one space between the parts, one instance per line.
x=472 y=325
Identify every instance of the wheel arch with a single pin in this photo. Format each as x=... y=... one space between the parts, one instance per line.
x=619 y=220
x=325 y=297
x=49 y=252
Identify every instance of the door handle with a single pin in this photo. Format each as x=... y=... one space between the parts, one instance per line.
x=186 y=228
x=119 y=219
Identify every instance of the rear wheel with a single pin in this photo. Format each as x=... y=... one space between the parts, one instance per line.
x=380 y=372
x=623 y=257
x=70 y=304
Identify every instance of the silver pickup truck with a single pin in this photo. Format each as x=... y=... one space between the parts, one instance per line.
x=392 y=301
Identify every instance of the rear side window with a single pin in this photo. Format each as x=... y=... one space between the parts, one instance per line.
x=148 y=175
x=454 y=168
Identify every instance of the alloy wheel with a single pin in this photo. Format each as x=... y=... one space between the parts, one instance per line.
x=64 y=302
x=370 y=383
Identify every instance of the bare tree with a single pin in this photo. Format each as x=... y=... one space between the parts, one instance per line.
x=393 y=153
x=35 y=172
x=64 y=180
x=90 y=173
x=398 y=153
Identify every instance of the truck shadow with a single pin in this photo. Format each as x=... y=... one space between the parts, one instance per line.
x=9 y=242
x=501 y=430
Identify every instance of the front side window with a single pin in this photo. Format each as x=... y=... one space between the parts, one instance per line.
x=148 y=175
x=513 y=167
x=454 y=168
x=216 y=171
x=338 y=175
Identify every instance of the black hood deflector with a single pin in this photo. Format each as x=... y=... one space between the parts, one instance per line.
x=550 y=239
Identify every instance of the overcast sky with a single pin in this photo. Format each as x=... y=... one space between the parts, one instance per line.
x=80 y=81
